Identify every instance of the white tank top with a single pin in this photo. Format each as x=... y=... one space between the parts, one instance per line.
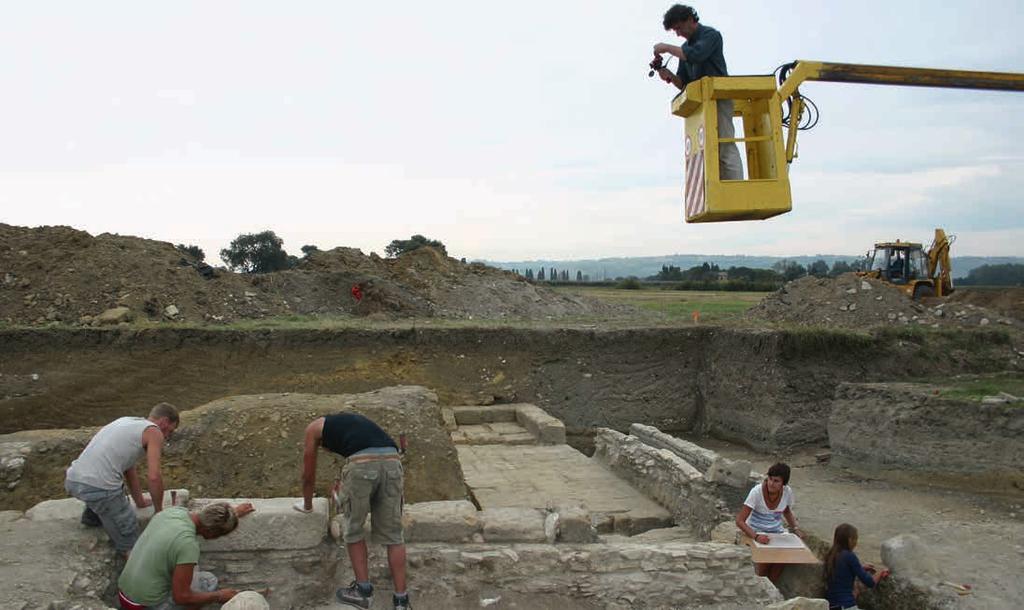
x=114 y=449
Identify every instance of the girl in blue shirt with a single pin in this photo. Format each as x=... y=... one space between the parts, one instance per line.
x=842 y=567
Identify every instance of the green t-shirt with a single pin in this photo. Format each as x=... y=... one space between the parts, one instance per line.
x=168 y=541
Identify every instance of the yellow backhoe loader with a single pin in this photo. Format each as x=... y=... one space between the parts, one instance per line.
x=917 y=272
x=758 y=101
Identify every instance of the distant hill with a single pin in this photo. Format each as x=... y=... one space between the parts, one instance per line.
x=643 y=266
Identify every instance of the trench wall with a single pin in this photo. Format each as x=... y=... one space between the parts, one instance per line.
x=768 y=389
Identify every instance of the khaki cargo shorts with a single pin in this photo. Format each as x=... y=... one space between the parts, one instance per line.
x=372 y=487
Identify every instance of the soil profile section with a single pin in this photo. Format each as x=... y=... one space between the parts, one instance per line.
x=767 y=389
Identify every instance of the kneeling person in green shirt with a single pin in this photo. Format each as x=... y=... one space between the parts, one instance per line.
x=160 y=573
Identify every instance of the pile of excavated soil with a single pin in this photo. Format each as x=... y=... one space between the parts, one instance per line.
x=1007 y=300
x=59 y=274
x=852 y=301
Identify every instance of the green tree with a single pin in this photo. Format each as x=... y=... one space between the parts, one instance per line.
x=399 y=247
x=540 y=275
x=309 y=249
x=818 y=268
x=790 y=270
x=194 y=251
x=256 y=253
x=839 y=267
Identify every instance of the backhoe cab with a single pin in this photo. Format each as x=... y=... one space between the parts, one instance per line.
x=915 y=271
x=759 y=101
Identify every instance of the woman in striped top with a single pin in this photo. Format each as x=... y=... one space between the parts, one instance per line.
x=767 y=505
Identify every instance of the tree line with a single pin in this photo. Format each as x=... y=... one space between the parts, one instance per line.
x=264 y=252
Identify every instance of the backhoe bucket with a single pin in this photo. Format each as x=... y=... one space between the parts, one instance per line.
x=764 y=191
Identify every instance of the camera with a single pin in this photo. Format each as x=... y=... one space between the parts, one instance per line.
x=656 y=64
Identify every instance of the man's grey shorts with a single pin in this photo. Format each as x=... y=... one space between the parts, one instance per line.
x=113 y=509
x=372 y=487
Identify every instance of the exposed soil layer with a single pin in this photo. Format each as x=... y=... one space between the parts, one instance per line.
x=59 y=274
x=251 y=446
x=854 y=302
x=765 y=389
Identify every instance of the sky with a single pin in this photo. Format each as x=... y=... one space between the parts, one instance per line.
x=509 y=131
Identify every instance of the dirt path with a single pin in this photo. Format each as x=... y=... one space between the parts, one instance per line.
x=975 y=539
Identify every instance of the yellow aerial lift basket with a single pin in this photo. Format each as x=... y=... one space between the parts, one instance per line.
x=764 y=191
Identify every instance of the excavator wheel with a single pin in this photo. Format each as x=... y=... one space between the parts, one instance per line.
x=923 y=291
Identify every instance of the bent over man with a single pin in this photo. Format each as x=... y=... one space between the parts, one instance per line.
x=160 y=573
x=372 y=483
x=701 y=55
x=98 y=476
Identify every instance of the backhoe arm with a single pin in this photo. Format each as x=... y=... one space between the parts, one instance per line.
x=938 y=260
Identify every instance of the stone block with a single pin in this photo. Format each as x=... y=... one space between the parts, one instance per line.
x=444 y=521
x=733 y=473
x=70 y=509
x=574 y=525
x=274 y=525
x=545 y=428
x=483 y=415
x=513 y=525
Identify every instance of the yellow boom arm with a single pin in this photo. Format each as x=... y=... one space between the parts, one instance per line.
x=803 y=70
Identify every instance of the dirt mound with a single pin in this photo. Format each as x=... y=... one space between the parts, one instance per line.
x=851 y=301
x=1008 y=300
x=59 y=274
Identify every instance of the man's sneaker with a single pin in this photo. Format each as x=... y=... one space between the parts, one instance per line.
x=354 y=596
x=90 y=519
x=401 y=603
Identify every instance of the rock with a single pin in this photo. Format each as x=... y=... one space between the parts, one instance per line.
x=865 y=285
x=725 y=532
x=984 y=322
x=844 y=307
x=853 y=307
x=851 y=291
x=247 y=600
x=115 y=315
x=733 y=473
x=908 y=557
x=551 y=527
x=171 y=312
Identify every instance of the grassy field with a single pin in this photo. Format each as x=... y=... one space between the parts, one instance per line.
x=711 y=305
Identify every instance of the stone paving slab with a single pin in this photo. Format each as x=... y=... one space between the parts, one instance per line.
x=499 y=433
x=536 y=476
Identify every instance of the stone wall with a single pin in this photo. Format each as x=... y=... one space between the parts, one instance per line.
x=613 y=575
x=666 y=478
x=277 y=547
x=908 y=427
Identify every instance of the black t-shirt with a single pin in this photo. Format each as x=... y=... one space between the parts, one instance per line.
x=348 y=433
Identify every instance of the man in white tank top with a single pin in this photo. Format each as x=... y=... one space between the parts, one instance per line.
x=99 y=474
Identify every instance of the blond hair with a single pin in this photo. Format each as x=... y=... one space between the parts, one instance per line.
x=218 y=519
x=164 y=409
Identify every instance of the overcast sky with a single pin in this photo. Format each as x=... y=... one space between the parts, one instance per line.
x=510 y=131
